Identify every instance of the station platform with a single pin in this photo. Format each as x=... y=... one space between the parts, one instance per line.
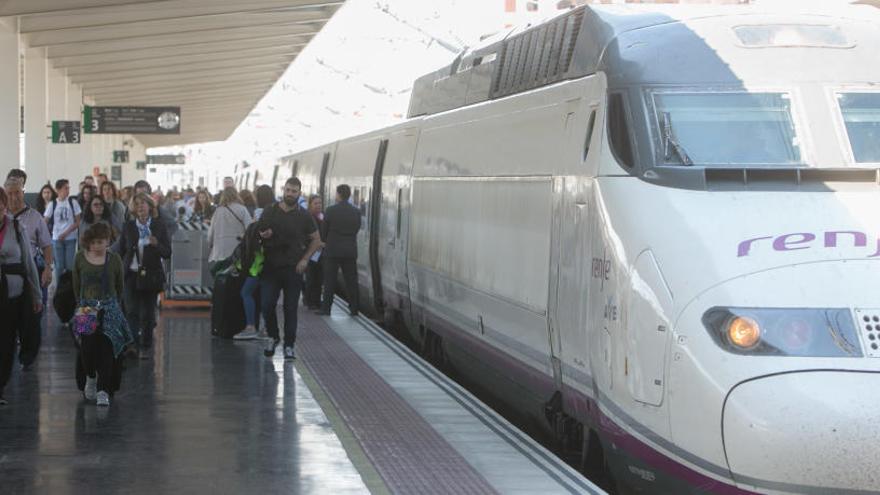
x=356 y=412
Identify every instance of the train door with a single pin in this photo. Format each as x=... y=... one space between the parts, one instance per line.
x=394 y=219
x=574 y=267
x=325 y=165
x=375 y=227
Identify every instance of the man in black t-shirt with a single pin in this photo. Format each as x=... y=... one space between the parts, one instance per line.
x=289 y=237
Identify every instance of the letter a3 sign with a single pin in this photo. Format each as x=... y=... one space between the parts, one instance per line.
x=66 y=132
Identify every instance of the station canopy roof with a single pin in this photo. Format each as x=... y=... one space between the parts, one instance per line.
x=213 y=58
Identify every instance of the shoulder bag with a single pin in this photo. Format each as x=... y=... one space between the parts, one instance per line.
x=87 y=319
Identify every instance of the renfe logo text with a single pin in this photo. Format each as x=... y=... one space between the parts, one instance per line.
x=807 y=240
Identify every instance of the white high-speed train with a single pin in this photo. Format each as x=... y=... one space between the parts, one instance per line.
x=654 y=232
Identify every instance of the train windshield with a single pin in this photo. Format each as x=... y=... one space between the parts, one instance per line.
x=723 y=129
x=861 y=115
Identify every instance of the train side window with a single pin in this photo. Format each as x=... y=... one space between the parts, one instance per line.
x=399 y=210
x=591 y=126
x=618 y=130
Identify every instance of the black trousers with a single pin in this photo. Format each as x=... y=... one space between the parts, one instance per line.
x=140 y=311
x=97 y=356
x=349 y=275
x=14 y=318
x=314 y=283
x=30 y=337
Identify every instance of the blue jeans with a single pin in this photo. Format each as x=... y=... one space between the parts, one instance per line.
x=64 y=252
x=272 y=282
x=247 y=297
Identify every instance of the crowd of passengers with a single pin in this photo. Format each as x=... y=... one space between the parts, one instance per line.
x=99 y=257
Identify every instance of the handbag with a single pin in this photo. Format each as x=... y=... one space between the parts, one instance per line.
x=148 y=280
x=87 y=319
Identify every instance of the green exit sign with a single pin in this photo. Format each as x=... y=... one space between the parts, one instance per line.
x=66 y=131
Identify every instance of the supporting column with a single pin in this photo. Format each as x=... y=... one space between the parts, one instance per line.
x=10 y=107
x=58 y=166
x=78 y=156
x=36 y=122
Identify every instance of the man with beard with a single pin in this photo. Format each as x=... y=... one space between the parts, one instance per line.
x=289 y=238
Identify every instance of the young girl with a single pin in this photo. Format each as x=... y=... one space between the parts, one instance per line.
x=97 y=282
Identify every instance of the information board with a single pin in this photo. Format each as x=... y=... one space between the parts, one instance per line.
x=132 y=120
x=66 y=132
x=166 y=159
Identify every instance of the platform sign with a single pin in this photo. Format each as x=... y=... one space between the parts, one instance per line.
x=66 y=132
x=116 y=173
x=166 y=159
x=132 y=120
x=120 y=156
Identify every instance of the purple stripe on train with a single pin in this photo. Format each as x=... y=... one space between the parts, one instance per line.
x=808 y=240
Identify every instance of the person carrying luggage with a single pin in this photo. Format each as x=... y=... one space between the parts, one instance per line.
x=342 y=221
x=144 y=243
x=20 y=296
x=98 y=284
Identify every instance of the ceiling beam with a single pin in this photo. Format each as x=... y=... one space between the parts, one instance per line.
x=196 y=82
x=183 y=99
x=27 y=7
x=172 y=90
x=162 y=53
x=159 y=76
x=173 y=65
x=181 y=9
x=182 y=39
x=168 y=97
x=173 y=26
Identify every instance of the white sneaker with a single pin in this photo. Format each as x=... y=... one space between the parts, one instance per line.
x=246 y=335
x=103 y=399
x=91 y=389
x=288 y=352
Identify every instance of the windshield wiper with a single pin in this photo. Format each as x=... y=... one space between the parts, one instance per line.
x=671 y=145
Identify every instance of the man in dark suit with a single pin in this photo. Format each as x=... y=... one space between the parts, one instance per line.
x=342 y=222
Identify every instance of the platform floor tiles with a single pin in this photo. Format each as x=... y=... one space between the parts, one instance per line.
x=355 y=413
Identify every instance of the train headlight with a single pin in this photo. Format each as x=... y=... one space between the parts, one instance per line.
x=743 y=332
x=784 y=332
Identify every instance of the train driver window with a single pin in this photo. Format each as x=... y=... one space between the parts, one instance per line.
x=727 y=128
x=618 y=130
x=861 y=117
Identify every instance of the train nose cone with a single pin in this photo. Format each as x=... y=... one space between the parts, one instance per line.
x=806 y=432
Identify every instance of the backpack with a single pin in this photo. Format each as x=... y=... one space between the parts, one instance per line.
x=54 y=204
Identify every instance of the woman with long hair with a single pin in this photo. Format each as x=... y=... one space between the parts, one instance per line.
x=85 y=197
x=117 y=208
x=203 y=209
x=97 y=211
x=248 y=200
x=98 y=283
x=252 y=259
x=47 y=195
x=228 y=225
x=142 y=246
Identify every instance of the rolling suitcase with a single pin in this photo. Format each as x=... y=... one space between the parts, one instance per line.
x=227 y=309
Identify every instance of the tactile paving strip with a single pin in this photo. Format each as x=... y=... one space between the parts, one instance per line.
x=407 y=452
